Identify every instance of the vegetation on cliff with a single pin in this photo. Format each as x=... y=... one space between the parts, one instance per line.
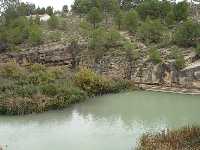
x=36 y=88
x=95 y=84
x=152 y=22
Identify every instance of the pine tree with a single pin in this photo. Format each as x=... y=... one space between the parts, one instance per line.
x=94 y=16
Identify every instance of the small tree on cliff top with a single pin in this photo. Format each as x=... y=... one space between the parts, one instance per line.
x=94 y=16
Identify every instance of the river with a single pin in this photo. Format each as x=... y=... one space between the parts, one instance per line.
x=110 y=122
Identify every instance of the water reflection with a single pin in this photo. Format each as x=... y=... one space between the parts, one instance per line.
x=112 y=122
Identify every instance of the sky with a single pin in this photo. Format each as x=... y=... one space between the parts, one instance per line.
x=57 y=4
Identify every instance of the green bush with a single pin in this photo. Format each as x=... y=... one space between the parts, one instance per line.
x=179 y=58
x=20 y=30
x=35 y=35
x=130 y=52
x=151 y=31
x=187 y=34
x=35 y=88
x=12 y=70
x=170 y=19
x=90 y=82
x=16 y=31
x=154 y=56
x=100 y=38
x=37 y=68
x=132 y=21
x=97 y=38
x=40 y=78
x=28 y=90
x=53 y=22
x=180 y=61
x=112 y=37
x=49 y=89
x=95 y=84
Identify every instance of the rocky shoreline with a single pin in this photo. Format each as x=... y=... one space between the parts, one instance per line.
x=167 y=89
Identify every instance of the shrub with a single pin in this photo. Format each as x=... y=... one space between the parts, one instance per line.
x=130 y=53
x=97 y=38
x=90 y=82
x=39 y=74
x=53 y=22
x=184 y=138
x=112 y=37
x=16 y=31
x=28 y=90
x=12 y=70
x=35 y=35
x=37 y=68
x=151 y=31
x=180 y=62
x=35 y=88
x=40 y=78
x=179 y=58
x=85 y=26
x=131 y=21
x=49 y=89
x=100 y=38
x=118 y=85
x=95 y=84
x=170 y=19
x=187 y=34
x=154 y=56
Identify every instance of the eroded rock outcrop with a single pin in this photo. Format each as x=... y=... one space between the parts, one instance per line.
x=111 y=64
x=53 y=55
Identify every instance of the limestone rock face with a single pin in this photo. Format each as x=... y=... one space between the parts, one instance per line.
x=190 y=76
x=111 y=64
x=197 y=75
x=57 y=55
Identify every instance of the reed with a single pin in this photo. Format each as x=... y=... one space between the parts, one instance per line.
x=186 y=138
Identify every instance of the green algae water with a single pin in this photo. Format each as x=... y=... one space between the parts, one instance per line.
x=111 y=122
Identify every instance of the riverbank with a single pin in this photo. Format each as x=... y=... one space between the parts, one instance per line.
x=181 y=139
x=37 y=88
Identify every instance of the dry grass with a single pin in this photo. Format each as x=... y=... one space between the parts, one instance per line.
x=187 y=138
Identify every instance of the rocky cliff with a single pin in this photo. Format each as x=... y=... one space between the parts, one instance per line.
x=113 y=64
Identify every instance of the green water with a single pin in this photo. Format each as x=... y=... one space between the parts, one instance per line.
x=111 y=122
